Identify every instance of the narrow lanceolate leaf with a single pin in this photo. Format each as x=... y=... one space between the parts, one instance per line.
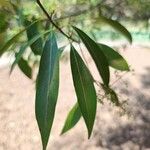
x=25 y=68
x=10 y=42
x=13 y=39
x=85 y=91
x=97 y=55
x=115 y=60
x=47 y=88
x=32 y=31
x=72 y=118
x=24 y=47
x=117 y=26
x=2 y=39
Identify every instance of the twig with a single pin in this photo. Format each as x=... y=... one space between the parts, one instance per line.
x=53 y=23
x=119 y=78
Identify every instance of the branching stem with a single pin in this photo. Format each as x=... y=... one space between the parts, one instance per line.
x=53 y=23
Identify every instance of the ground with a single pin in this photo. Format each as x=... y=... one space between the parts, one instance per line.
x=112 y=131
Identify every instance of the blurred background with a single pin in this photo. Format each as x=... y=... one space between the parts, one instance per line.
x=114 y=129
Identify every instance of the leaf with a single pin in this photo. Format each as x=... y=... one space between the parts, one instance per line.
x=97 y=55
x=85 y=91
x=117 y=26
x=115 y=60
x=24 y=47
x=32 y=31
x=47 y=88
x=73 y=117
x=10 y=42
x=13 y=40
x=25 y=68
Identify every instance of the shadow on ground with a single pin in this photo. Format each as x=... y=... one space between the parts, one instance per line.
x=135 y=134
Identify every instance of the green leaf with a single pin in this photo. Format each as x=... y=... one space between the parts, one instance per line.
x=73 y=117
x=117 y=26
x=32 y=31
x=10 y=42
x=25 y=68
x=115 y=60
x=24 y=47
x=13 y=40
x=97 y=55
x=47 y=88
x=85 y=90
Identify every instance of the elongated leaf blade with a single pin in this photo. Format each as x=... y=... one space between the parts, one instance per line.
x=115 y=60
x=13 y=39
x=24 y=47
x=117 y=26
x=85 y=91
x=32 y=31
x=73 y=117
x=47 y=88
x=25 y=68
x=10 y=42
x=97 y=55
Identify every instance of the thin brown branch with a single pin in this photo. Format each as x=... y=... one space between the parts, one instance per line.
x=119 y=78
x=53 y=23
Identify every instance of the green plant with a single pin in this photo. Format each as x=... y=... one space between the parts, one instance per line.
x=45 y=53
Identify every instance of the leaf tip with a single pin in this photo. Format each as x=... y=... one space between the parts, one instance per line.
x=90 y=132
x=130 y=39
x=62 y=132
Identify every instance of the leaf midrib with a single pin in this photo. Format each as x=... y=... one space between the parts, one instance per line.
x=49 y=81
x=81 y=84
x=94 y=55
